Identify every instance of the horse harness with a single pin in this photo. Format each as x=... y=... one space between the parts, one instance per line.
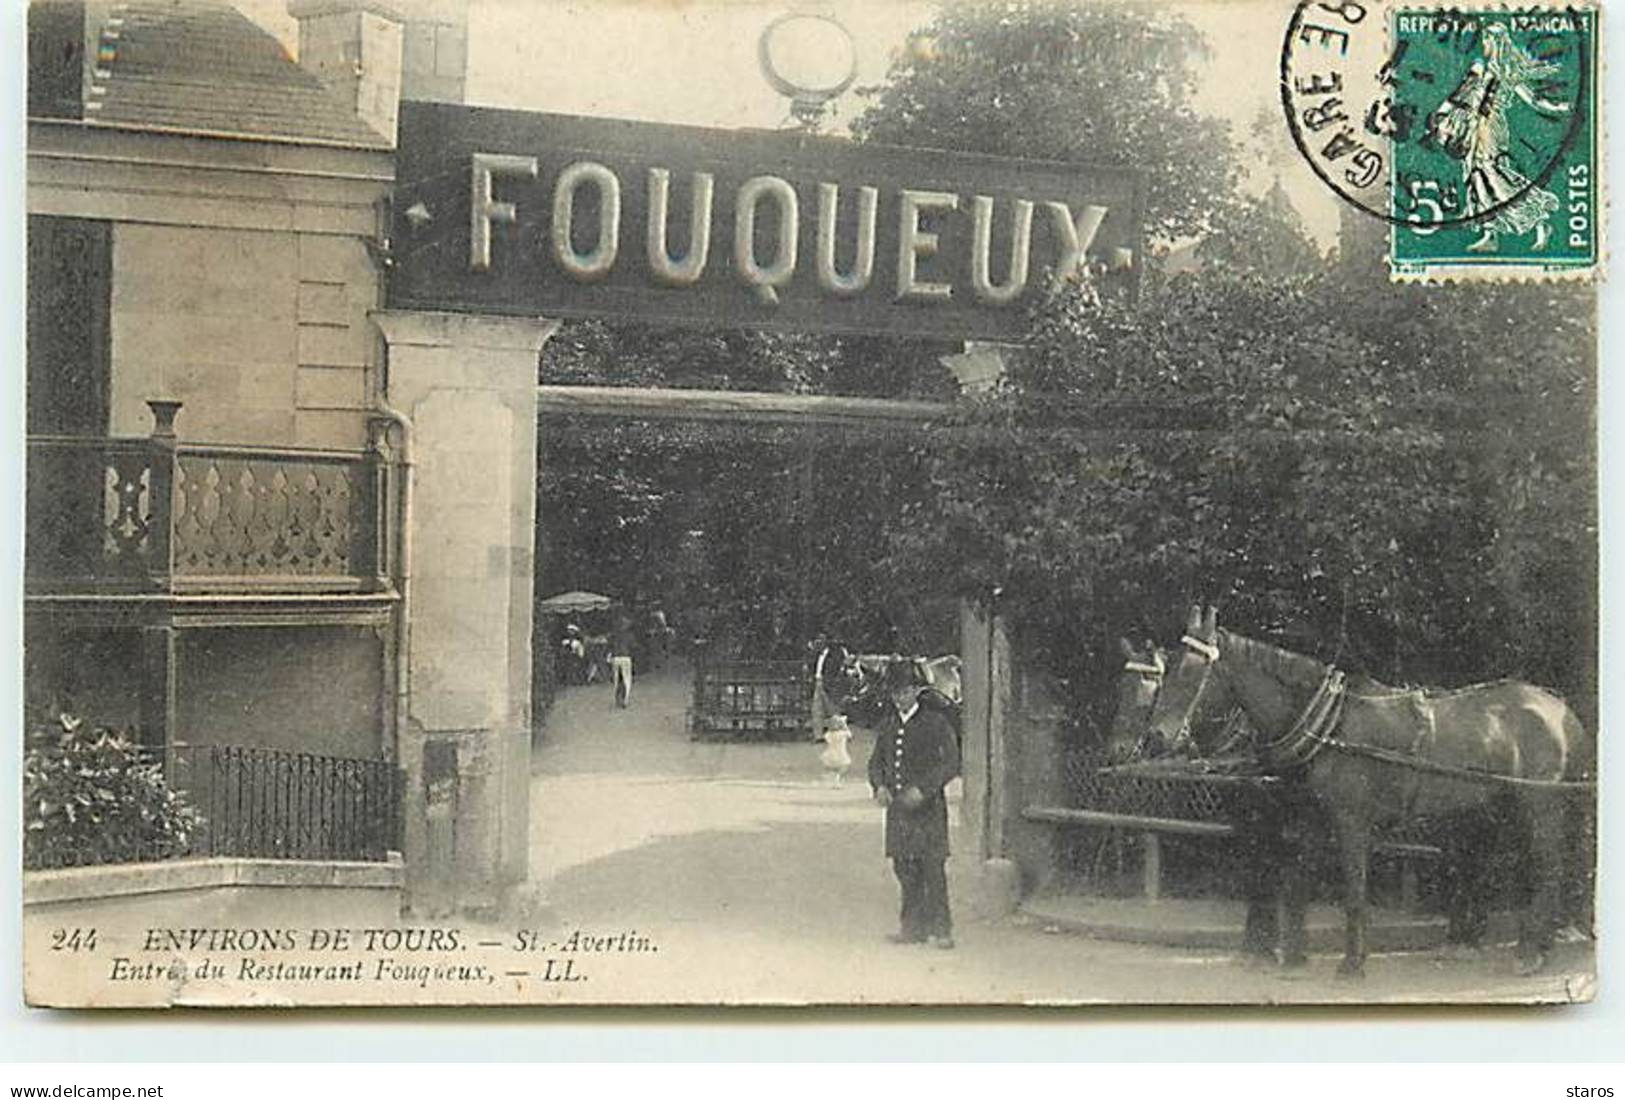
x=1152 y=671
x=1315 y=728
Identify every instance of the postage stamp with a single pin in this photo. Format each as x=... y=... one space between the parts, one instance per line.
x=1473 y=133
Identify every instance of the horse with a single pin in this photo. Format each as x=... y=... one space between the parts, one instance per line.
x=1275 y=884
x=941 y=675
x=1382 y=754
x=834 y=682
x=1128 y=737
x=945 y=676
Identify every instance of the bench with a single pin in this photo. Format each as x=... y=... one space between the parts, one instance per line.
x=1151 y=830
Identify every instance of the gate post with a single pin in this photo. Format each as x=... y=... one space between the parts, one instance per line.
x=1151 y=870
x=985 y=759
x=467 y=384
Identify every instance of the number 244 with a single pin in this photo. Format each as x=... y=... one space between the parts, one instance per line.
x=73 y=939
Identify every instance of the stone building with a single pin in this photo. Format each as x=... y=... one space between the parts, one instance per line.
x=228 y=440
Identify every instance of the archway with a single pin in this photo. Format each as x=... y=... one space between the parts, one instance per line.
x=503 y=218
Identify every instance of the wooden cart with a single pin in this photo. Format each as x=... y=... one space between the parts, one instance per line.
x=750 y=700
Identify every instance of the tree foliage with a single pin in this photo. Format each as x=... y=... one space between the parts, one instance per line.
x=1289 y=451
x=1397 y=478
x=757 y=538
x=1261 y=236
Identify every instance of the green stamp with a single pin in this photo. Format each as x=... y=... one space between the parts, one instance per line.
x=1492 y=121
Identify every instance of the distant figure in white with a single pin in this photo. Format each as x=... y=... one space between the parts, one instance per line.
x=836 y=758
x=620 y=660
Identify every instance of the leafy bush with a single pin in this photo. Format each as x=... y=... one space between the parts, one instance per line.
x=91 y=795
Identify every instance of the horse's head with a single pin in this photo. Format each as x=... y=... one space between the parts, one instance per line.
x=1137 y=688
x=869 y=672
x=944 y=675
x=867 y=702
x=1183 y=689
x=836 y=670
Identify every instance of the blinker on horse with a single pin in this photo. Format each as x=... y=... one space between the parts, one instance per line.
x=1371 y=757
x=1137 y=687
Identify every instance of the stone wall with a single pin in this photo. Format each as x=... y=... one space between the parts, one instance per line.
x=263 y=335
x=122 y=901
x=218 y=893
x=241 y=280
x=294 y=688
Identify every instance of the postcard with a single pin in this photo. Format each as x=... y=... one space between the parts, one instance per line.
x=827 y=503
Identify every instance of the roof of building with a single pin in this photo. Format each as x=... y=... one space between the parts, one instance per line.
x=203 y=66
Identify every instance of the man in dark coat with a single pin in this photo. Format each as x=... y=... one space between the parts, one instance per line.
x=914 y=758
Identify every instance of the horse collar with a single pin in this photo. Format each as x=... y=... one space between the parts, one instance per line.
x=1155 y=670
x=1315 y=728
x=1204 y=649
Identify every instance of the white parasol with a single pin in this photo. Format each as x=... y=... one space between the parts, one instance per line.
x=566 y=603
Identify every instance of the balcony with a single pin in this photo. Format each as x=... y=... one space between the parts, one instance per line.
x=112 y=516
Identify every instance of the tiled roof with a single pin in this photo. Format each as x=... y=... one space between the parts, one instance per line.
x=200 y=65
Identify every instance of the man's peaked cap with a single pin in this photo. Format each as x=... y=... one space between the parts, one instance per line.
x=903 y=675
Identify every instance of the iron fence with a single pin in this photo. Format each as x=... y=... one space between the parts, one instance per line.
x=261 y=803
x=1202 y=864
x=269 y=804
x=1181 y=799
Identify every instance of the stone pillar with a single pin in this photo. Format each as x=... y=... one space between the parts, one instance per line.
x=1013 y=759
x=985 y=652
x=1034 y=773
x=467 y=383
x=157 y=704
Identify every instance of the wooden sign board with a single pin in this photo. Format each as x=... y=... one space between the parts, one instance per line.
x=517 y=212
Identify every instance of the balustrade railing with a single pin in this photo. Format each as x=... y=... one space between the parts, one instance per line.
x=98 y=512
x=156 y=514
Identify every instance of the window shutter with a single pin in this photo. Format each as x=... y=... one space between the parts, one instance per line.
x=70 y=282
